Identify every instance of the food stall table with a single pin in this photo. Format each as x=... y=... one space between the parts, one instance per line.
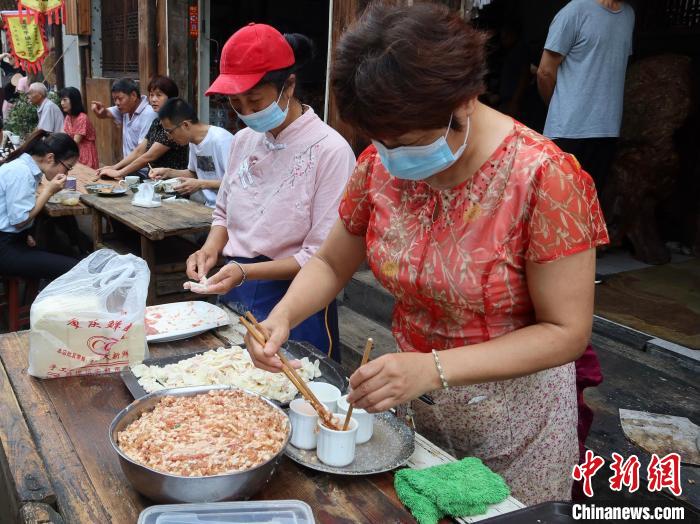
x=59 y=462
x=84 y=175
x=172 y=219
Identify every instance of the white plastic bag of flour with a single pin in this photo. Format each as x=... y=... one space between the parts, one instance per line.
x=91 y=320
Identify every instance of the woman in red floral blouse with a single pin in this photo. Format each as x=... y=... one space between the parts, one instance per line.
x=485 y=234
x=78 y=126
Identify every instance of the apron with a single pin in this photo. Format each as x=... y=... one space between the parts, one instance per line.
x=261 y=296
x=523 y=429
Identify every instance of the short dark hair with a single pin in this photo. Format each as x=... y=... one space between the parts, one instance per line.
x=165 y=84
x=126 y=86
x=76 y=101
x=304 y=51
x=401 y=69
x=177 y=111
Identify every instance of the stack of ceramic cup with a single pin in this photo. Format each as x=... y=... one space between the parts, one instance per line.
x=335 y=448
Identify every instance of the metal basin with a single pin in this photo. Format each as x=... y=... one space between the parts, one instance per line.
x=164 y=487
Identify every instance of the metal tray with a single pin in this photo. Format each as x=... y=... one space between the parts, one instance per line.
x=545 y=513
x=390 y=447
x=331 y=371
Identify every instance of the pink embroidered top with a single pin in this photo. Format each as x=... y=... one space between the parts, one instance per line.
x=460 y=279
x=279 y=196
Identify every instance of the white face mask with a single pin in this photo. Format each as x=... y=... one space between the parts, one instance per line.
x=269 y=118
x=421 y=162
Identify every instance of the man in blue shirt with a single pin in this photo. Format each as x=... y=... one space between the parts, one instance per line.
x=582 y=77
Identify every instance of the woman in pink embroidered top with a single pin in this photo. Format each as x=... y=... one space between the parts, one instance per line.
x=484 y=232
x=285 y=177
x=77 y=125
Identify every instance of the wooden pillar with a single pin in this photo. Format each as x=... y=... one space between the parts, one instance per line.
x=161 y=28
x=344 y=13
x=180 y=67
x=148 y=61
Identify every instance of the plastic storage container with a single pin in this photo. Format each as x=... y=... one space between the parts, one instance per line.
x=247 y=512
x=68 y=197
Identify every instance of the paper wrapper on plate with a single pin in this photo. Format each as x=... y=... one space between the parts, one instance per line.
x=91 y=320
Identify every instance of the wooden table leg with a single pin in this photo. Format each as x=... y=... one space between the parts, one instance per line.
x=96 y=230
x=148 y=254
x=39 y=513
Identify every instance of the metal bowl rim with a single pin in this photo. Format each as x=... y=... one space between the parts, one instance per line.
x=185 y=392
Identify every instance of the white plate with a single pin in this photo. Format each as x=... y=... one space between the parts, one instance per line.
x=145 y=204
x=180 y=320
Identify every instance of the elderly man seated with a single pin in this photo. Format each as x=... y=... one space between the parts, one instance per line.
x=50 y=115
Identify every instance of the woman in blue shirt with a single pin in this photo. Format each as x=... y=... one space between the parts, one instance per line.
x=48 y=154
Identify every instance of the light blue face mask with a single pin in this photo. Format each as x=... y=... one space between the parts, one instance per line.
x=269 y=118
x=421 y=162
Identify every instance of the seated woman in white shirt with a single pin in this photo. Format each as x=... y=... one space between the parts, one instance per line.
x=48 y=154
x=285 y=177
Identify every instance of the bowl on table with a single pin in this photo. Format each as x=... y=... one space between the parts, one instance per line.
x=170 y=488
x=93 y=189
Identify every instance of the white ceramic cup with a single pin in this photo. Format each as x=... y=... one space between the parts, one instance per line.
x=327 y=394
x=132 y=180
x=304 y=423
x=365 y=421
x=336 y=448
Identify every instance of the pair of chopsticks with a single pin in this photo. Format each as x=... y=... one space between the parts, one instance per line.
x=365 y=358
x=256 y=331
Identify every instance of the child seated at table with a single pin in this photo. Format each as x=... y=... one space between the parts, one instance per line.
x=49 y=154
x=209 y=151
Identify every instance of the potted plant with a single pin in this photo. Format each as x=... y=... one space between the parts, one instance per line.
x=22 y=119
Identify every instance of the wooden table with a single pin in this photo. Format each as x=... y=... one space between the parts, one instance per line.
x=84 y=175
x=173 y=218
x=54 y=434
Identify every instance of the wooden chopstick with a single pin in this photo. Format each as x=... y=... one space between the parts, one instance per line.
x=258 y=334
x=365 y=358
x=297 y=380
x=255 y=333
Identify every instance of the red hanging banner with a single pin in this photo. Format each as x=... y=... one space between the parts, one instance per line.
x=53 y=10
x=193 y=21
x=27 y=40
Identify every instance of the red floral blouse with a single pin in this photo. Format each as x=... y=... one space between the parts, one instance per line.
x=459 y=279
x=81 y=125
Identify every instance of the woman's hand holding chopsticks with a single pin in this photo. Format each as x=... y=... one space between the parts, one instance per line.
x=265 y=357
x=259 y=334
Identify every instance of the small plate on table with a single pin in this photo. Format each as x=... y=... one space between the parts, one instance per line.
x=181 y=320
x=93 y=189
x=112 y=191
x=390 y=447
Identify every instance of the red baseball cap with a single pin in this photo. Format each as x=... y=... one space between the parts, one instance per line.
x=247 y=56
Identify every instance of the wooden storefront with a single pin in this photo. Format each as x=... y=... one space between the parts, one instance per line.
x=140 y=38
